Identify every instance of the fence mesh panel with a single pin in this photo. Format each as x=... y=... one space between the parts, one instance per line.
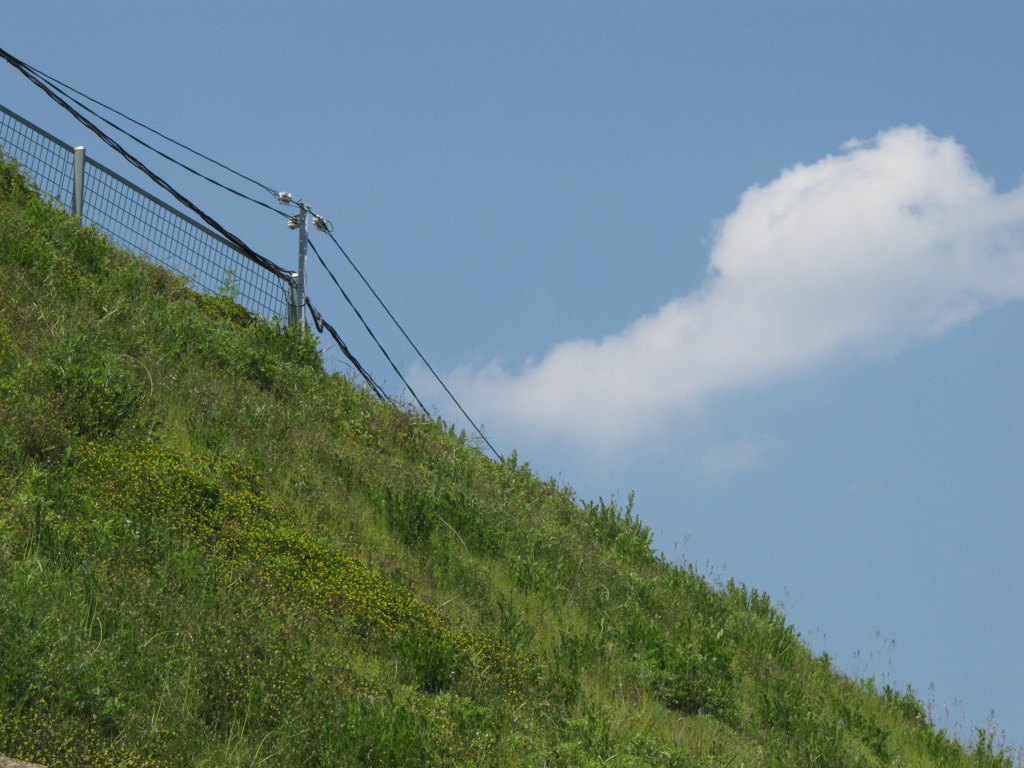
x=48 y=160
x=134 y=219
x=137 y=221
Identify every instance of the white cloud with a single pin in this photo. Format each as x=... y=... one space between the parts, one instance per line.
x=890 y=240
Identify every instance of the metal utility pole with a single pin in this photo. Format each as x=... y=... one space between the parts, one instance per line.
x=297 y=284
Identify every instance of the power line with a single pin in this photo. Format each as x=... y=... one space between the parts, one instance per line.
x=369 y=330
x=398 y=325
x=322 y=325
x=52 y=80
x=56 y=85
x=237 y=242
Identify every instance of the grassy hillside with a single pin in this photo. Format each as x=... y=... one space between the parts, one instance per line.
x=215 y=553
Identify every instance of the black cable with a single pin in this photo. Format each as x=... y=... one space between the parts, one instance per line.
x=369 y=331
x=51 y=82
x=241 y=175
x=322 y=325
x=242 y=248
x=411 y=343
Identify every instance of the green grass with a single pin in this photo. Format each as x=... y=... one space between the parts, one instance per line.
x=213 y=552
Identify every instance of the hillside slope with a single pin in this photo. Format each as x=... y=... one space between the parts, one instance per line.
x=213 y=552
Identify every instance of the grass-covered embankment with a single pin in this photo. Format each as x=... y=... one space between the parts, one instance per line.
x=213 y=552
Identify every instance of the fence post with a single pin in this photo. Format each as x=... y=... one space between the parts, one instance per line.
x=78 y=190
x=297 y=287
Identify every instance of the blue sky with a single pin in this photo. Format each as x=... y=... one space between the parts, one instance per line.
x=760 y=262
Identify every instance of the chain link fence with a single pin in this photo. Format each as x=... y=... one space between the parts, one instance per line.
x=134 y=219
